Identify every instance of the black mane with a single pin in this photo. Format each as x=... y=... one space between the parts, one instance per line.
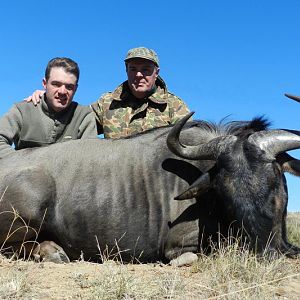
x=238 y=128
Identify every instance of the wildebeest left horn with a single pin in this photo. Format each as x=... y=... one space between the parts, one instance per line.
x=207 y=151
x=296 y=98
x=274 y=142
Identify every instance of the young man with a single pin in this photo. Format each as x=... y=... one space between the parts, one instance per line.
x=140 y=103
x=57 y=119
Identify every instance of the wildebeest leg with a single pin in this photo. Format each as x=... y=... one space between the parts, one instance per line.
x=182 y=243
x=50 y=252
x=26 y=208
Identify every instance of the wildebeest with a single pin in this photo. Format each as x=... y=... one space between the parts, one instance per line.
x=153 y=196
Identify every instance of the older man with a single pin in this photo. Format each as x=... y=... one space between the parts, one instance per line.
x=140 y=103
x=57 y=119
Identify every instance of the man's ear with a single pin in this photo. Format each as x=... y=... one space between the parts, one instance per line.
x=157 y=71
x=44 y=83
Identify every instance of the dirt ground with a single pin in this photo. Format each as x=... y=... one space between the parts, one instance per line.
x=84 y=280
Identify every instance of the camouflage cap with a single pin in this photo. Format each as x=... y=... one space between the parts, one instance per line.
x=142 y=52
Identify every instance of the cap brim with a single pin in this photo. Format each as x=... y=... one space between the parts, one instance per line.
x=147 y=58
x=296 y=98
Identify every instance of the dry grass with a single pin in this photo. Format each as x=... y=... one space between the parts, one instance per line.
x=293 y=228
x=228 y=274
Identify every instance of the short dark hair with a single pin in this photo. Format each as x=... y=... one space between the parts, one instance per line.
x=68 y=64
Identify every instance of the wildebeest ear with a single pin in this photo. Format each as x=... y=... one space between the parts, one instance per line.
x=201 y=185
x=289 y=164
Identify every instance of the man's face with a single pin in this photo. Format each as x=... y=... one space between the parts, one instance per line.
x=60 y=88
x=142 y=74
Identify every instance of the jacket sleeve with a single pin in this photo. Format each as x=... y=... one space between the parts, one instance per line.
x=97 y=108
x=178 y=109
x=10 y=128
x=88 y=127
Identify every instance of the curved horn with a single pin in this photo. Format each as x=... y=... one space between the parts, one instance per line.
x=289 y=163
x=201 y=185
x=296 y=98
x=274 y=142
x=206 y=151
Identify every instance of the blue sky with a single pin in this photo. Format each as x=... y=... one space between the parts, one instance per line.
x=223 y=58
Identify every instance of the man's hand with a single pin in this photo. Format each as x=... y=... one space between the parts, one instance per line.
x=35 y=98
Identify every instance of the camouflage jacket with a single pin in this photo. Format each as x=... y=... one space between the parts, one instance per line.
x=120 y=114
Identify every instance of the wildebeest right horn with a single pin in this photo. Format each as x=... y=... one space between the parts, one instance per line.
x=206 y=151
x=296 y=98
x=276 y=141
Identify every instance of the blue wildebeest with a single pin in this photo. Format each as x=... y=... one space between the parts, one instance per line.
x=86 y=196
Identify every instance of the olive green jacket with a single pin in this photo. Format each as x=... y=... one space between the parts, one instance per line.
x=27 y=126
x=120 y=114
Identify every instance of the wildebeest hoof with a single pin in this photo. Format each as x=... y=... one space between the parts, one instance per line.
x=184 y=259
x=49 y=251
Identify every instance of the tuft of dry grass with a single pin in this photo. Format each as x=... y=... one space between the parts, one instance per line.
x=235 y=274
x=13 y=281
